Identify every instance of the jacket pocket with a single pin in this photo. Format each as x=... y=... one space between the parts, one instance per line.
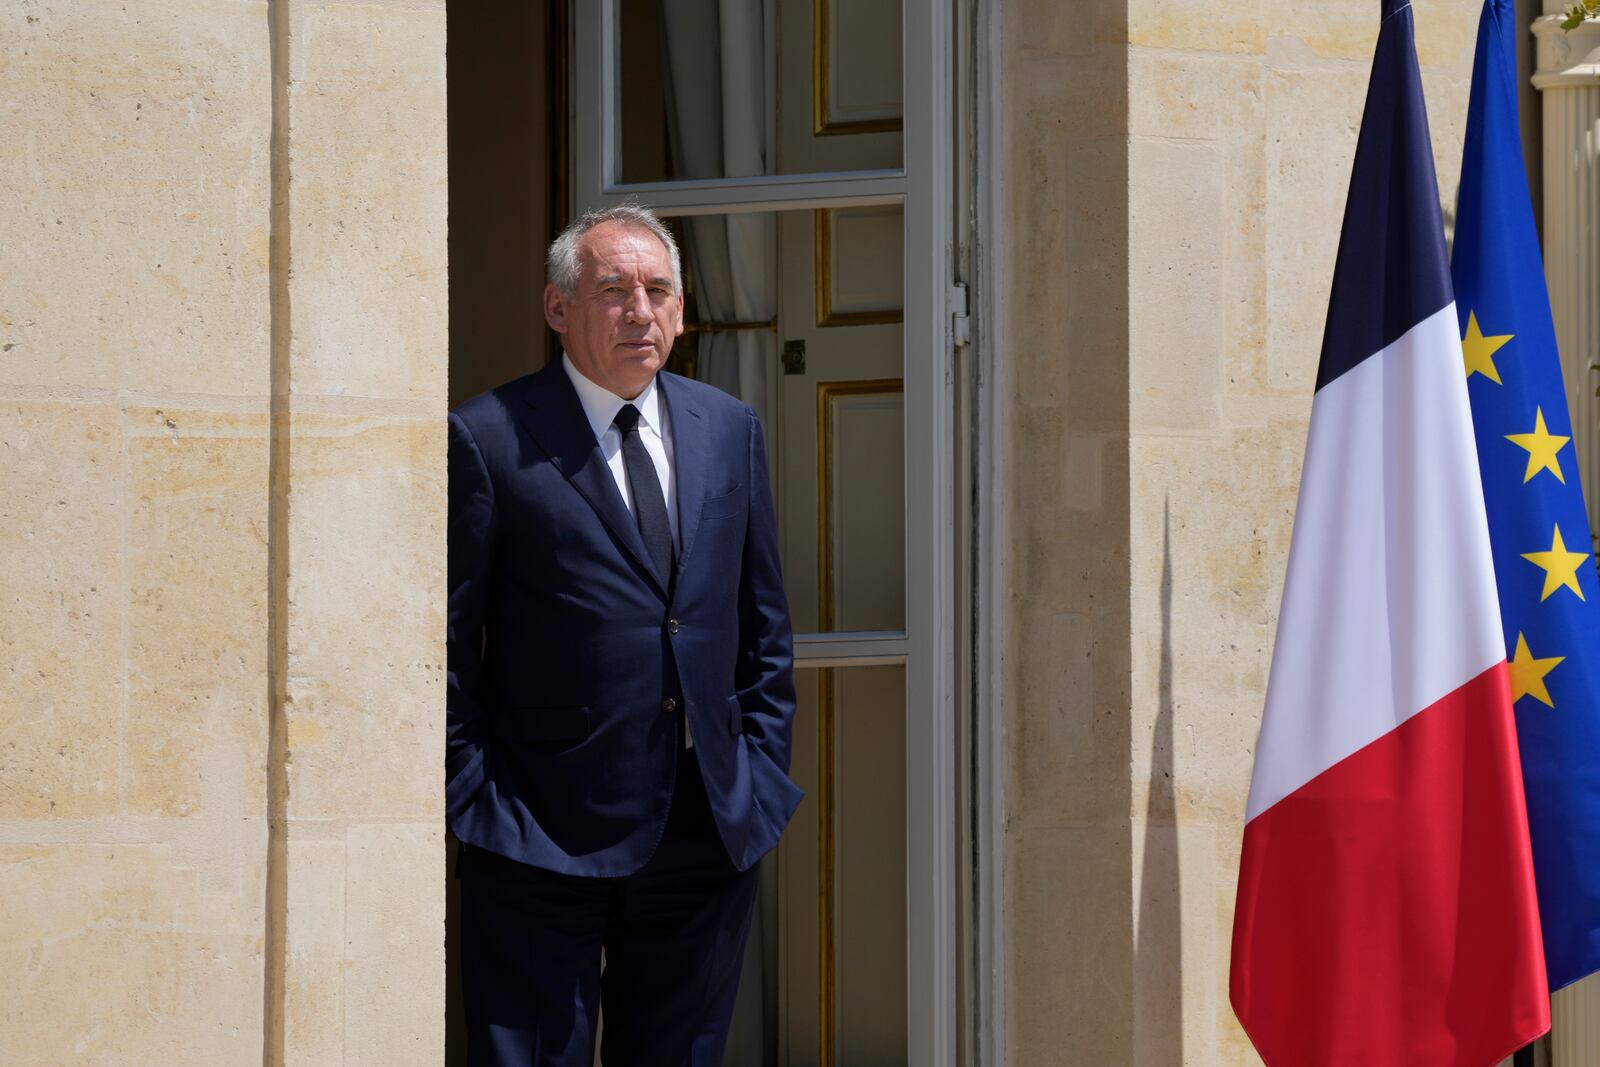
x=569 y=723
x=725 y=504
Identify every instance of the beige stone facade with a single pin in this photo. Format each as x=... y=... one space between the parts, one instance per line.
x=223 y=322
x=223 y=336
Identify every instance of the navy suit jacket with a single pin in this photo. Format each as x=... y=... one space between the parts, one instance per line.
x=571 y=659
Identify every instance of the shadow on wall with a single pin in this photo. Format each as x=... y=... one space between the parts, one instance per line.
x=1158 y=934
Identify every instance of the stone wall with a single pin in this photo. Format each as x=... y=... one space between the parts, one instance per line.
x=222 y=376
x=1175 y=178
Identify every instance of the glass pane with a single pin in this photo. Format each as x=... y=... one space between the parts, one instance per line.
x=798 y=313
x=826 y=963
x=713 y=89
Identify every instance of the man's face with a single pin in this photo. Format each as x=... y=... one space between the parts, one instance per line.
x=619 y=324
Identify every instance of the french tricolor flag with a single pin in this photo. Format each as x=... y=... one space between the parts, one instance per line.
x=1386 y=912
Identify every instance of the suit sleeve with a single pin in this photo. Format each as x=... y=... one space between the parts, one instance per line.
x=765 y=672
x=471 y=535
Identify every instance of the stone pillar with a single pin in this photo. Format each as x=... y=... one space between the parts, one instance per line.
x=1568 y=77
x=355 y=910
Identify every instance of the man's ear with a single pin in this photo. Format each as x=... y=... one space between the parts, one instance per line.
x=677 y=330
x=555 y=308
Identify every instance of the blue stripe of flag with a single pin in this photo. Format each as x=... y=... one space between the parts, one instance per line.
x=1392 y=271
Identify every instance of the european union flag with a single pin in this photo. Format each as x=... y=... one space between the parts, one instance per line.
x=1538 y=526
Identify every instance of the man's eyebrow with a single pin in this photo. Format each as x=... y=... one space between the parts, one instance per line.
x=609 y=279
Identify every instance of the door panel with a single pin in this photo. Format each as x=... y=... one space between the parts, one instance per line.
x=842 y=433
x=842 y=874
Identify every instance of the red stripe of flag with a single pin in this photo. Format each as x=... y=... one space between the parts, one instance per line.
x=1382 y=882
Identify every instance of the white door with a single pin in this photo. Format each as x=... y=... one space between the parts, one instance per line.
x=803 y=151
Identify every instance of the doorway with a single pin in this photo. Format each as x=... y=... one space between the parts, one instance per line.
x=801 y=151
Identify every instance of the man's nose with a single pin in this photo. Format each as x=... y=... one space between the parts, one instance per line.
x=638 y=305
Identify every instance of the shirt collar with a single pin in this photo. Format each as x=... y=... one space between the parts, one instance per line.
x=600 y=405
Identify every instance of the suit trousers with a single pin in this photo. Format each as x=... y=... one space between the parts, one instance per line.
x=673 y=936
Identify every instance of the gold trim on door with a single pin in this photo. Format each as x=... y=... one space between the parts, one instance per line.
x=820 y=37
x=822 y=229
x=827 y=392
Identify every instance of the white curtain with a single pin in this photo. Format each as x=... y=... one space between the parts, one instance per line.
x=718 y=126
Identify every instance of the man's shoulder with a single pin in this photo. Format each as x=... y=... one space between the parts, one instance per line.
x=708 y=398
x=495 y=407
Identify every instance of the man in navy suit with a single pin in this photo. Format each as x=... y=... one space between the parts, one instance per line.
x=620 y=677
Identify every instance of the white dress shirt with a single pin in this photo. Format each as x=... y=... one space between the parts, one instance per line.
x=601 y=406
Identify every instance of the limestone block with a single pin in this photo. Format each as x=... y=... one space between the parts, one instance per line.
x=197 y=604
x=1206 y=586
x=1067 y=638
x=1344 y=30
x=1067 y=750
x=1082 y=469
x=114 y=885
x=1447 y=34
x=1069 y=982
x=1074 y=98
x=1067 y=311
x=366 y=617
x=61 y=539
x=394 y=932
x=1177 y=237
x=1062 y=646
x=1348 y=29
x=116 y=955
x=134 y=203
x=1178 y=94
x=1313 y=116
x=1036 y=28
x=1220 y=101
x=315 y=1007
x=1238 y=27
x=1063 y=552
x=368 y=192
x=133 y=998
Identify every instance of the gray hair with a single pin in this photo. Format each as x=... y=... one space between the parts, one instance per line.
x=563 y=264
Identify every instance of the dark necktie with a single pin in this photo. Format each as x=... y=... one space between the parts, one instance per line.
x=649 y=506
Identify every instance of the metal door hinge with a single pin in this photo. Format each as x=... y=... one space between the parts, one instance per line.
x=960 y=320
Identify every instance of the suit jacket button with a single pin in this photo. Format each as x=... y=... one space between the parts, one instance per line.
x=672 y=626
x=669 y=705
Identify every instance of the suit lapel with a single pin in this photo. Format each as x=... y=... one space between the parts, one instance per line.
x=557 y=422
x=690 y=458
